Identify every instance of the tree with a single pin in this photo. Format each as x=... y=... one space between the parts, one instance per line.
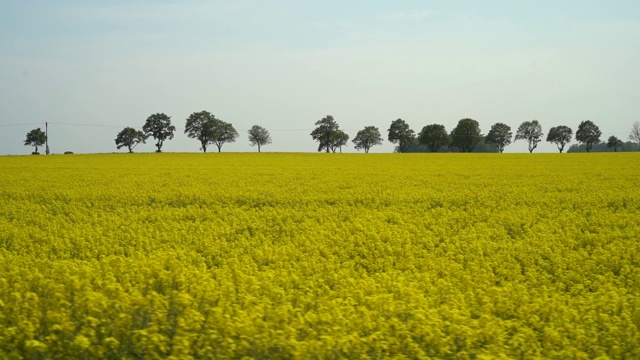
x=199 y=125
x=222 y=133
x=499 y=135
x=325 y=133
x=159 y=127
x=366 y=138
x=338 y=140
x=530 y=131
x=635 y=133
x=130 y=138
x=401 y=134
x=615 y=143
x=259 y=136
x=466 y=135
x=560 y=135
x=35 y=138
x=588 y=133
x=434 y=137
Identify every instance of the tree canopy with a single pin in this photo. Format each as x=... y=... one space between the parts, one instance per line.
x=560 y=135
x=401 y=134
x=159 y=127
x=531 y=131
x=221 y=133
x=259 y=136
x=130 y=138
x=434 y=137
x=614 y=143
x=499 y=135
x=326 y=133
x=366 y=138
x=35 y=138
x=198 y=126
x=466 y=135
x=588 y=133
x=338 y=140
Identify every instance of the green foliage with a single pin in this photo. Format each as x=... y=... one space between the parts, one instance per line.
x=401 y=134
x=328 y=134
x=198 y=126
x=531 y=131
x=588 y=133
x=259 y=136
x=130 y=138
x=614 y=143
x=434 y=137
x=602 y=147
x=499 y=135
x=560 y=135
x=221 y=133
x=35 y=138
x=466 y=135
x=366 y=138
x=338 y=140
x=159 y=127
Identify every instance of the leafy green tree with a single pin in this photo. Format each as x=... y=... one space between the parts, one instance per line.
x=222 y=133
x=401 y=134
x=615 y=143
x=634 y=136
x=35 y=138
x=560 y=135
x=259 y=136
x=325 y=133
x=531 y=131
x=199 y=126
x=159 y=127
x=466 y=135
x=130 y=138
x=499 y=135
x=434 y=137
x=338 y=140
x=366 y=138
x=588 y=133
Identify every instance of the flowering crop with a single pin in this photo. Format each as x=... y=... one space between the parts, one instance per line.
x=320 y=256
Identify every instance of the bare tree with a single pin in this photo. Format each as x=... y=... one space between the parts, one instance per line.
x=635 y=133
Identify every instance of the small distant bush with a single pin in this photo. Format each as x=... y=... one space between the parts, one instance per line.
x=68 y=152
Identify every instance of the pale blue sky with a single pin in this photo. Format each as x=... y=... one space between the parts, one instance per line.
x=104 y=65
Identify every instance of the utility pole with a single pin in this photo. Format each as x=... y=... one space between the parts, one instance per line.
x=46 y=136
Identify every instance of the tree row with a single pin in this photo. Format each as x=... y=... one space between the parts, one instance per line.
x=465 y=137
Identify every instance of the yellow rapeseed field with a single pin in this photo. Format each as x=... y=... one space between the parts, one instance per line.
x=320 y=256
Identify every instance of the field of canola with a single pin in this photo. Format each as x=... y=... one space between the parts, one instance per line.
x=320 y=256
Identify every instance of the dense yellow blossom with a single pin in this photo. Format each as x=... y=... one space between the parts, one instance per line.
x=320 y=256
